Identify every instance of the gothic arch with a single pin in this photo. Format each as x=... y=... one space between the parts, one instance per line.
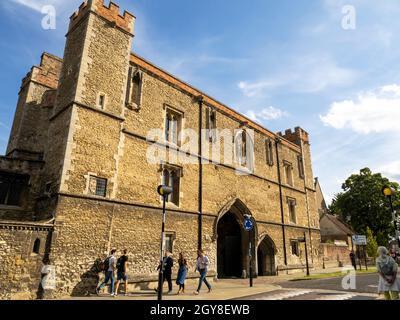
x=236 y=206
x=232 y=240
x=264 y=236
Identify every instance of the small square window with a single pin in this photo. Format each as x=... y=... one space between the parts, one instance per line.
x=294 y=245
x=292 y=210
x=98 y=186
x=169 y=241
x=102 y=101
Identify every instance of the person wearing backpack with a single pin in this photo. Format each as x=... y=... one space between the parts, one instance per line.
x=110 y=265
x=387 y=269
x=122 y=269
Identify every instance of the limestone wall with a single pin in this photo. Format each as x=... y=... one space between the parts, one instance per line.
x=19 y=266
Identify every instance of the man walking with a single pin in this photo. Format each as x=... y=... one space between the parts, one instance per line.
x=111 y=262
x=122 y=269
x=167 y=274
x=202 y=266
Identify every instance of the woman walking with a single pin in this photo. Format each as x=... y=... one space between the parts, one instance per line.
x=387 y=269
x=202 y=266
x=182 y=273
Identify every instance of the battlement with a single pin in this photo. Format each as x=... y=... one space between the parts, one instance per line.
x=47 y=73
x=110 y=13
x=298 y=135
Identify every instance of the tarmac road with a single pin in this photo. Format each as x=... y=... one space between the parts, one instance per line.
x=323 y=289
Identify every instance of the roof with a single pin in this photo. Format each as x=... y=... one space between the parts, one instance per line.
x=339 y=223
x=149 y=66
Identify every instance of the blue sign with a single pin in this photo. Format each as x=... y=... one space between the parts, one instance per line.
x=248 y=225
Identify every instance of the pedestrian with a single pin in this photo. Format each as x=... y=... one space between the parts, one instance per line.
x=353 y=260
x=202 y=264
x=393 y=254
x=168 y=263
x=387 y=269
x=110 y=265
x=122 y=269
x=182 y=273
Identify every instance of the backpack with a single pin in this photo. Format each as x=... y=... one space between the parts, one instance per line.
x=105 y=264
x=119 y=263
x=387 y=268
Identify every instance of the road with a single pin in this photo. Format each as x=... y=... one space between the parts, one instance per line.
x=323 y=289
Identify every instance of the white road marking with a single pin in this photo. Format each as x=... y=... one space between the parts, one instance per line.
x=286 y=295
x=346 y=296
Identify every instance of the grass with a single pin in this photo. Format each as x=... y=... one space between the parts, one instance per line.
x=338 y=274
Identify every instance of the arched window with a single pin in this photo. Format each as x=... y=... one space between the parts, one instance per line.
x=134 y=90
x=36 y=246
x=171 y=177
x=244 y=149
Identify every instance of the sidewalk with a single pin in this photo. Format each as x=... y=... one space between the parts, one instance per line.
x=222 y=289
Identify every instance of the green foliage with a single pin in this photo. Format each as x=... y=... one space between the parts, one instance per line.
x=362 y=205
x=372 y=244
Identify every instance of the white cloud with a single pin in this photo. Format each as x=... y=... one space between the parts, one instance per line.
x=390 y=170
x=374 y=111
x=307 y=74
x=37 y=5
x=251 y=89
x=270 y=113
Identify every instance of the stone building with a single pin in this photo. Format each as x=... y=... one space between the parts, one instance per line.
x=336 y=235
x=76 y=180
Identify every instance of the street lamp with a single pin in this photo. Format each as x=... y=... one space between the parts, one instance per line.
x=389 y=192
x=305 y=245
x=249 y=226
x=163 y=191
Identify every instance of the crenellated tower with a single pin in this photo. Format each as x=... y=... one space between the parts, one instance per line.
x=91 y=91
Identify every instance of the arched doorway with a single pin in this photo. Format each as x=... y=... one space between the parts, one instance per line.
x=266 y=257
x=229 y=247
x=233 y=241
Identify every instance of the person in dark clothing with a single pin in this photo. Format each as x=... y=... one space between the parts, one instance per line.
x=353 y=260
x=122 y=269
x=167 y=274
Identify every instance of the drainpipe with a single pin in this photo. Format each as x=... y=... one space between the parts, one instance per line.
x=305 y=190
x=277 y=142
x=200 y=204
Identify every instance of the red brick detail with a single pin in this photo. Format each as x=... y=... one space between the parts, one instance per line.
x=47 y=74
x=110 y=13
x=298 y=135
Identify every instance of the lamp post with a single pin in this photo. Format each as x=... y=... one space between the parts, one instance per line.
x=389 y=192
x=163 y=191
x=249 y=226
x=305 y=245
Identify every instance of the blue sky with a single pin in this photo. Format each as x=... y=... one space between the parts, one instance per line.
x=283 y=63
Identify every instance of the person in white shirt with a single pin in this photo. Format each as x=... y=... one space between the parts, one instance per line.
x=110 y=273
x=202 y=264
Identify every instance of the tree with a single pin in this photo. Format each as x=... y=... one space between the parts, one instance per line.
x=362 y=205
x=372 y=244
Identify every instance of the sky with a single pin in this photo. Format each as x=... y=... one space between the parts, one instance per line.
x=329 y=66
